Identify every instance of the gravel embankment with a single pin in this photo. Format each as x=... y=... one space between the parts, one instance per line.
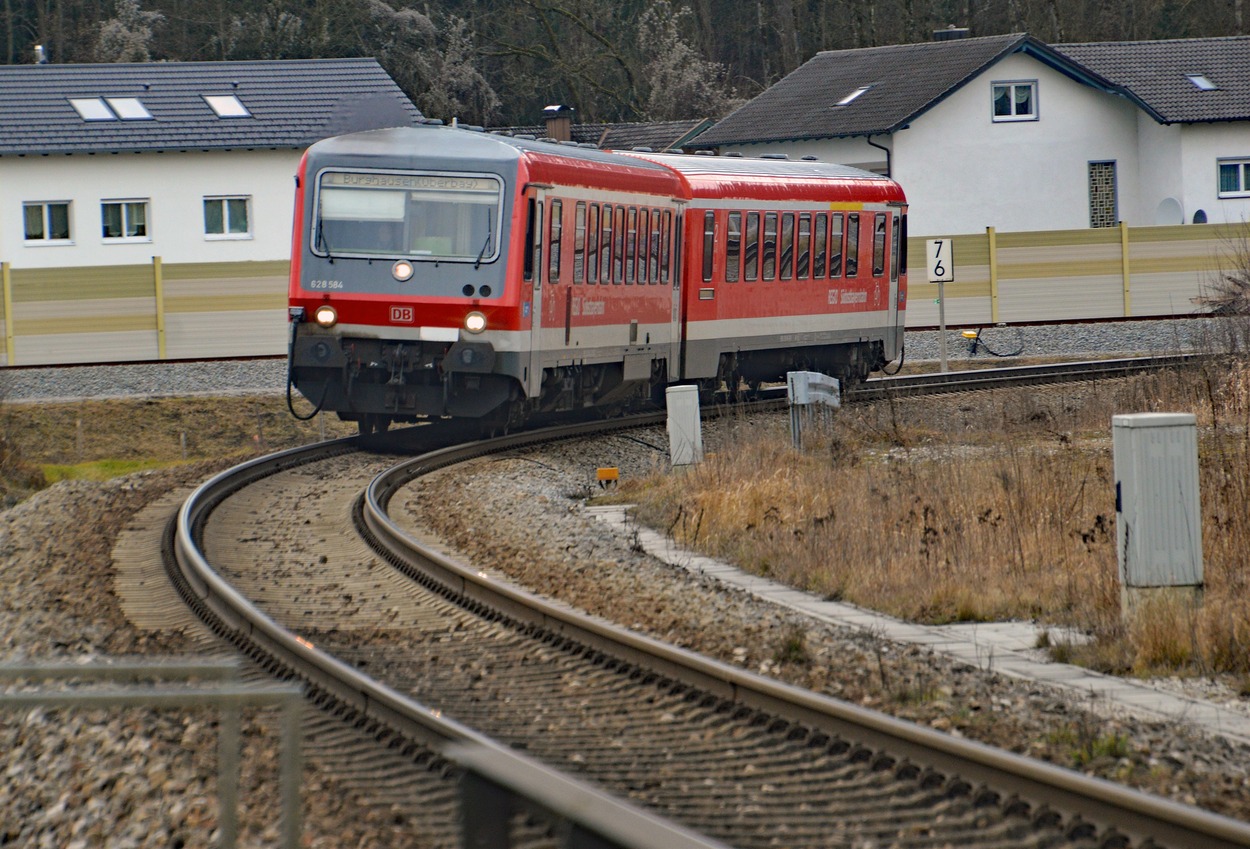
x=138 y=778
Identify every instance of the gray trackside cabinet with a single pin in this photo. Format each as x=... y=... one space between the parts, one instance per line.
x=685 y=432
x=1158 y=519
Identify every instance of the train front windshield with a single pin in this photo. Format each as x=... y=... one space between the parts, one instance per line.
x=445 y=217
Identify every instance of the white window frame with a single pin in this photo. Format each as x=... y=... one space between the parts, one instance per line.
x=125 y=204
x=226 y=234
x=1243 y=170
x=1011 y=86
x=47 y=224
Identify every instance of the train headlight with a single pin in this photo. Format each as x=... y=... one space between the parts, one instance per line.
x=402 y=270
x=326 y=315
x=475 y=322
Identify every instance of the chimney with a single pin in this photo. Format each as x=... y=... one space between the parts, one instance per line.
x=951 y=33
x=559 y=122
x=40 y=57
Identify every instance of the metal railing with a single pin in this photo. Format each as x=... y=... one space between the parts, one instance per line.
x=157 y=684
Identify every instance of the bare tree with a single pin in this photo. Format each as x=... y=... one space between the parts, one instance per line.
x=436 y=64
x=127 y=37
x=681 y=84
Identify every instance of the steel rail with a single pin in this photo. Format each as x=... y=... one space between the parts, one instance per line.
x=965 y=380
x=594 y=817
x=353 y=695
x=1114 y=808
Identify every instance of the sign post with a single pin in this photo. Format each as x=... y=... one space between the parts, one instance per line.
x=941 y=266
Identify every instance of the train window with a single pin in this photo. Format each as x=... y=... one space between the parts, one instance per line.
x=421 y=216
x=837 y=242
x=653 y=253
x=901 y=265
x=666 y=233
x=852 y=244
x=631 y=244
x=709 y=243
x=733 y=247
x=751 y=253
x=618 y=245
x=605 y=245
x=554 y=246
x=534 y=239
x=592 y=244
x=803 y=260
x=894 y=234
x=579 y=242
x=676 y=240
x=818 y=246
x=644 y=243
x=786 y=251
x=878 y=244
x=768 y=261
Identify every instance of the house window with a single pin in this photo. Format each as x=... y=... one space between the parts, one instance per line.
x=226 y=218
x=123 y=220
x=1102 y=195
x=46 y=221
x=1234 y=177
x=1015 y=101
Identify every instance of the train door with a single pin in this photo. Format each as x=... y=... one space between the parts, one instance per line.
x=670 y=259
x=532 y=287
x=898 y=261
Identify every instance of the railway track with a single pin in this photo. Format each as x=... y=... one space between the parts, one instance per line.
x=734 y=756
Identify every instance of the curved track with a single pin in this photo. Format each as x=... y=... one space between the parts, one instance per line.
x=733 y=755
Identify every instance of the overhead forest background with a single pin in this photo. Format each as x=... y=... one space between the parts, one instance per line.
x=499 y=62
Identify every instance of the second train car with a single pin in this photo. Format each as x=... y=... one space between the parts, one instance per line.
x=438 y=271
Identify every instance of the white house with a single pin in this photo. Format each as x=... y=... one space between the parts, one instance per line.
x=141 y=201
x=1008 y=132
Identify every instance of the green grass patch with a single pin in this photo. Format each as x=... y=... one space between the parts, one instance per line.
x=101 y=470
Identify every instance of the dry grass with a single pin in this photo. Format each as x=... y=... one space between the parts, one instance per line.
x=994 y=506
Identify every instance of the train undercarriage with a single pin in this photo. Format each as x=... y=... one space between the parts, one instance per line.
x=377 y=383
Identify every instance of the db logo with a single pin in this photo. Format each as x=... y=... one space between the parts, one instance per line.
x=402 y=315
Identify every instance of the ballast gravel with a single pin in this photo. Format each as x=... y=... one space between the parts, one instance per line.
x=142 y=778
x=148 y=778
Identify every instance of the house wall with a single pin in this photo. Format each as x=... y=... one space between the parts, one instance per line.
x=964 y=172
x=1202 y=145
x=1161 y=182
x=175 y=185
x=175 y=295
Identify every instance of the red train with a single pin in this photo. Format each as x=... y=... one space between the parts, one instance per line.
x=439 y=271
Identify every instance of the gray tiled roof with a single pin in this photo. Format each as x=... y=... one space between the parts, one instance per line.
x=658 y=135
x=1154 y=75
x=293 y=103
x=906 y=80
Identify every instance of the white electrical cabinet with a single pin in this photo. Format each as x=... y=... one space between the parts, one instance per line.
x=1158 y=518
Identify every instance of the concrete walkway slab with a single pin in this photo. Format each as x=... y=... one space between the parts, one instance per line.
x=1008 y=648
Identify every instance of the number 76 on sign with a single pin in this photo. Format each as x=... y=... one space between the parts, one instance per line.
x=941 y=260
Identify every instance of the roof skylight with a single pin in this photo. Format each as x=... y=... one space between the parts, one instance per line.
x=227 y=106
x=92 y=109
x=129 y=108
x=110 y=108
x=850 y=97
x=1202 y=82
